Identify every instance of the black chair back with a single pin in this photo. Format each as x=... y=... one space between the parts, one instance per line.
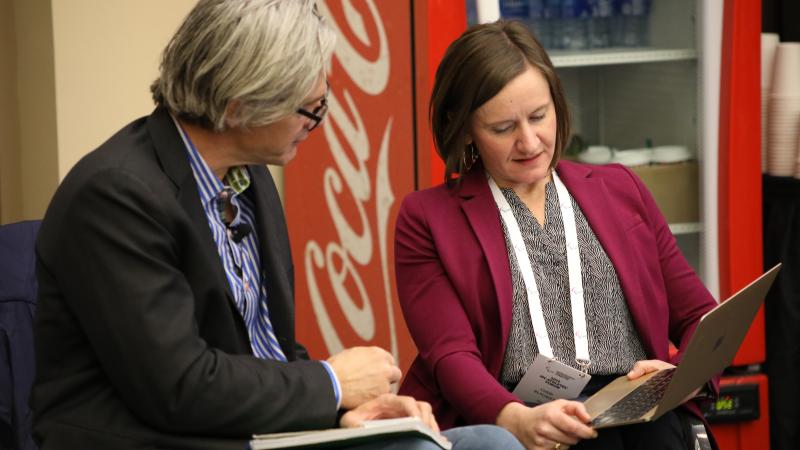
x=17 y=307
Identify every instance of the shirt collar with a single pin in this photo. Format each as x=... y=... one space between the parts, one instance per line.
x=209 y=186
x=238 y=178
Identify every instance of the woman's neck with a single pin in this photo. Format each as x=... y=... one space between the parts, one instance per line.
x=533 y=195
x=532 y=190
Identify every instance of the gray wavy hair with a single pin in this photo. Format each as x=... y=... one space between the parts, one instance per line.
x=265 y=55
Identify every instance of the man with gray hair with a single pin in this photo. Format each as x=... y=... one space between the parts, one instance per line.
x=166 y=298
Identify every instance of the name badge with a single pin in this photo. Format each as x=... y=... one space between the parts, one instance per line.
x=548 y=379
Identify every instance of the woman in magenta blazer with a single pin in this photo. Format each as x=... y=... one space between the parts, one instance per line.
x=500 y=123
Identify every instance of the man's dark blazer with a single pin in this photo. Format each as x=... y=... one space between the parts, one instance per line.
x=138 y=341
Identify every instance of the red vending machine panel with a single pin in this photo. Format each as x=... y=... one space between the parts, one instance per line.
x=343 y=190
x=744 y=400
x=740 y=228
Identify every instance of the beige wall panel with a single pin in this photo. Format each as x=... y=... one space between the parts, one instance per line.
x=10 y=164
x=277 y=175
x=106 y=55
x=36 y=105
x=84 y=68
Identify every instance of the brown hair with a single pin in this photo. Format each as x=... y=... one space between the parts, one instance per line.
x=477 y=66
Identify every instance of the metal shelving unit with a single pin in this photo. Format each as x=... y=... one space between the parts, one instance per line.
x=685 y=228
x=611 y=56
x=631 y=97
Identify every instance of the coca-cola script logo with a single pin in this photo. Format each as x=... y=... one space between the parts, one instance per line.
x=342 y=191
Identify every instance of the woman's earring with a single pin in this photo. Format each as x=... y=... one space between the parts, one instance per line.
x=469 y=157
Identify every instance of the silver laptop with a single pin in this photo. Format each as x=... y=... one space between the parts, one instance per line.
x=711 y=349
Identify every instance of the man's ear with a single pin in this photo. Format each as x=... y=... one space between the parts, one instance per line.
x=232 y=114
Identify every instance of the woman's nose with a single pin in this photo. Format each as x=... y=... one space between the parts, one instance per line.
x=528 y=139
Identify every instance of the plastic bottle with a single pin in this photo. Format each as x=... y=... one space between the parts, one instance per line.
x=599 y=31
x=472 y=12
x=635 y=15
x=573 y=24
x=537 y=22
x=617 y=32
x=628 y=33
x=551 y=10
x=514 y=9
x=640 y=15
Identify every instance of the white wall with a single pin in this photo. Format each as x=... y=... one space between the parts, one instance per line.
x=72 y=73
x=35 y=108
x=10 y=165
x=106 y=55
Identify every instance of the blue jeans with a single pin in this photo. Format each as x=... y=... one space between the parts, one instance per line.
x=474 y=437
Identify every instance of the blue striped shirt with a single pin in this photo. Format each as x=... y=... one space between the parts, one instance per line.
x=241 y=260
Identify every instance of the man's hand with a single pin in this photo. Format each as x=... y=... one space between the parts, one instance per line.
x=390 y=406
x=364 y=373
x=556 y=424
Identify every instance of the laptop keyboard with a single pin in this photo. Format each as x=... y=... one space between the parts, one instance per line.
x=638 y=401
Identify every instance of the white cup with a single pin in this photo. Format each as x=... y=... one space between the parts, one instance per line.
x=797 y=150
x=596 y=154
x=769 y=42
x=764 y=122
x=666 y=154
x=782 y=136
x=786 y=69
x=633 y=157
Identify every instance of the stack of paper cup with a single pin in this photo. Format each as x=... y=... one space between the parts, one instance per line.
x=784 y=111
x=596 y=154
x=769 y=42
x=633 y=157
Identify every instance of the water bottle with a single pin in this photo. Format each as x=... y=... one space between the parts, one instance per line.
x=514 y=9
x=617 y=32
x=599 y=32
x=574 y=21
x=635 y=14
x=628 y=34
x=537 y=22
x=551 y=12
x=640 y=14
x=472 y=12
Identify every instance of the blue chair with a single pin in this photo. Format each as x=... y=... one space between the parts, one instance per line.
x=17 y=306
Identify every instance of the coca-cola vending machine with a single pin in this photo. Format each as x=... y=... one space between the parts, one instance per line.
x=343 y=190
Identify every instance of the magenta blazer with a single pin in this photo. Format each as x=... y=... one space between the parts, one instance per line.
x=455 y=288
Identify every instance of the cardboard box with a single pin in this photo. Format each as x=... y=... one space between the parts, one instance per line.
x=675 y=188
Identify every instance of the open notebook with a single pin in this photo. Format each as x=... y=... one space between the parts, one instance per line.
x=371 y=430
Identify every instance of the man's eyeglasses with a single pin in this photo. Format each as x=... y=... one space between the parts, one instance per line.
x=318 y=113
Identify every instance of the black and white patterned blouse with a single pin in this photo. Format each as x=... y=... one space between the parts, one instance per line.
x=614 y=344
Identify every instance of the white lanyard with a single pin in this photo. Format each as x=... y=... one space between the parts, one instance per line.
x=573 y=265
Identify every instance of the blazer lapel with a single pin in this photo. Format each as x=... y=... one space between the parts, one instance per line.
x=484 y=218
x=599 y=208
x=171 y=152
x=275 y=255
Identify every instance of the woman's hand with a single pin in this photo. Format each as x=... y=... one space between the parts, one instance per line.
x=389 y=406
x=561 y=422
x=646 y=366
